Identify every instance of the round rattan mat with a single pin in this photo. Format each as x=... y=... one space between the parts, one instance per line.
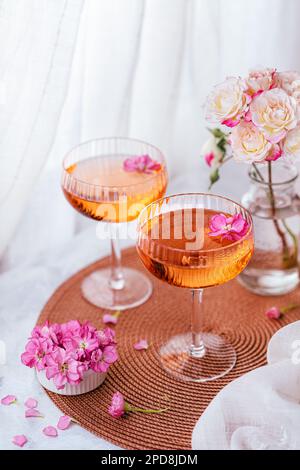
x=229 y=310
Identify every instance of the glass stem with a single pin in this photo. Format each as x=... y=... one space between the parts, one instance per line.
x=197 y=348
x=116 y=277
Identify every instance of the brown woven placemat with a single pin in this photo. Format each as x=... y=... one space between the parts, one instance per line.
x=230 y=310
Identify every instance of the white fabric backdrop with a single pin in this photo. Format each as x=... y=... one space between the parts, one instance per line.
x=77 y=69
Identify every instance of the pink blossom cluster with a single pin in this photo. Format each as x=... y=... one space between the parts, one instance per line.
x=262 y=112
x=66 y=351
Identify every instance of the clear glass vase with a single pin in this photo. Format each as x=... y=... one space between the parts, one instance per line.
x=275 y=206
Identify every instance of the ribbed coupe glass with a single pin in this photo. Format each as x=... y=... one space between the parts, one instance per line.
x=175 y=246
x=96 y=183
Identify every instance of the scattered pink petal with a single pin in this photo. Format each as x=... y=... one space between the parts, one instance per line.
x=231 y=122
x=31 y=403
x=50 y=431
x=33 y=413
x=19 y=440
x=64 y=422
x=273 y=313
x=141 y=345
x=111 y=317
x=8 y=400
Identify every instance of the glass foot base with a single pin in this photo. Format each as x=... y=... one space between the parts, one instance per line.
x=269 y=282
x=96 y=290
x=219 y=358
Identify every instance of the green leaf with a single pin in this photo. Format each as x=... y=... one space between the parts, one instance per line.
x=222 y=144
x=217 y=133
x=214 y=177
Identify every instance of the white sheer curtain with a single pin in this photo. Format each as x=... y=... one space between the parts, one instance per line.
x=37 y=40
x=75 y=70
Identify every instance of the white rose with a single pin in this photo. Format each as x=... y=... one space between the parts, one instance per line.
x=249 y=144
x=227 y=102
x=274 y=112
x=291 y=147
x=290 y=83
x=286 y=81
x=260 y=80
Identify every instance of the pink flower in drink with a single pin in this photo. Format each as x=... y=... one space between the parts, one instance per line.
x=50 y=431
x=63 y=368
x=273 y=313
x=141 y=164
x=141 y=345
x=19 y=440
x=31 y=403
x=117 y=406
x=35 y=353
x=101 y=360
x=9 y=400
x=64 y=422
x=229 y=228
x=209 y=158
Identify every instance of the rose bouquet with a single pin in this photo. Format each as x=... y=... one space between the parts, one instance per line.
x=69 y=353
x=260 y=115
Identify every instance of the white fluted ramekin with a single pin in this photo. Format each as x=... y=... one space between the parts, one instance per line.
x=91 y=380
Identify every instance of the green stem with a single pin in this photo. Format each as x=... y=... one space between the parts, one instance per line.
x=141 y=410
x=258 y=172
x=289 y=308
x=215 y=174
x=286 y=253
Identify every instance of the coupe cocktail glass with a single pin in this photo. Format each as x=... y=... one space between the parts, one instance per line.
x=96 y=184
x=176 y=246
